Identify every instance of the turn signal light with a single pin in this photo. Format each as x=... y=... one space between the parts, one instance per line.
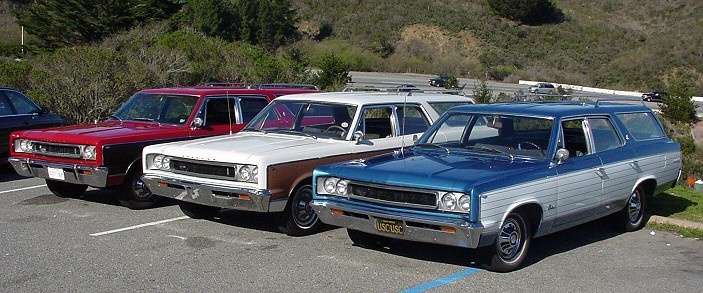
x=448 y=229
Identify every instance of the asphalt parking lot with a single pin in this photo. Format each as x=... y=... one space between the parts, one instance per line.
x=92 y=244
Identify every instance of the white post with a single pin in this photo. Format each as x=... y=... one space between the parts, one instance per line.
x=22 y=44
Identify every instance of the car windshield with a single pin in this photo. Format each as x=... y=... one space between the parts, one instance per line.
x=168 y=109
x=489 y=134
x=315 y=119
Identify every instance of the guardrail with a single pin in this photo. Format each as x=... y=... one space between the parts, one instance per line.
x=596 y=90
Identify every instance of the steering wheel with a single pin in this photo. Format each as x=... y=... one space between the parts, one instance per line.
x=336 y=127
x=519 y=146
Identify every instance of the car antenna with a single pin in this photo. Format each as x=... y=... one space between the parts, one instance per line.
x=402 y=131
x=229 y=114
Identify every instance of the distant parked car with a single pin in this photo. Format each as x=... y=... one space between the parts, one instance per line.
x=543 y=88
x=654 y=96
x=18 y=112
x=439 y=81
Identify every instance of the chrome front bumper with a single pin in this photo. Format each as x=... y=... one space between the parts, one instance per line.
x=211 y=195
x=421 y=228
x=70 y=173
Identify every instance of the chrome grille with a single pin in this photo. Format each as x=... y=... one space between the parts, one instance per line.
x=56 y=150
x=394 y=195
x=195 y=168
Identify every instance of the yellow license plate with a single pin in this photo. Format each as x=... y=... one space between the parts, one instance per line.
x=390 y=226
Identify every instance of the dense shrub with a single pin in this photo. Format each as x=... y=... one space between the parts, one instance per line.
x=678 y=106
x=82 y=83
x=527 y=11
x=482 y=93
x=333 y=74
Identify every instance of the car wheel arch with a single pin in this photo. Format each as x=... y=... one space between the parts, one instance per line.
x=532 y=211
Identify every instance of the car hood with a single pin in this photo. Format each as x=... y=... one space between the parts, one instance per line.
x=429 y=171
x=105 y=132
x=253 y=148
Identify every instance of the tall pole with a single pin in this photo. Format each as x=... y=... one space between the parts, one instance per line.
x=22 y=44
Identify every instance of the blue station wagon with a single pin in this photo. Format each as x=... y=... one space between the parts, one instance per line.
x=494 y=176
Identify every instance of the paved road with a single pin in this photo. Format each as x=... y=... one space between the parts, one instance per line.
x=390 y=80
x=91 y=244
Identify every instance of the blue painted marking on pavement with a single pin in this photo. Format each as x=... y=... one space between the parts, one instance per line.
x=442 y=281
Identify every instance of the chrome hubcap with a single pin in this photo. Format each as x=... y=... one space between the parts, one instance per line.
x=635 y=207
x=509 y=240
x=303 y=214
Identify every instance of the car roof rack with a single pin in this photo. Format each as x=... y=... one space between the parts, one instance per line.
x=227 y=84
x=284 y=86
x=539 y=97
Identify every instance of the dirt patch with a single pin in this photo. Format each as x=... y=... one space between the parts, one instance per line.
x=697 y=132
x=442 y=41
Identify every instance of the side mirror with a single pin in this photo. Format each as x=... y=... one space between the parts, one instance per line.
x=562 y=155
x=358 y=136
x=197 y=122
x=415 y=138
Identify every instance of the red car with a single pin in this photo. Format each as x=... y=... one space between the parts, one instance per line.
x=107 y=154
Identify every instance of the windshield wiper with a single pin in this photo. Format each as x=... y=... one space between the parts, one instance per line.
x=143 y=119
x=432 y=145
x=115 y=117
x=289 y=131
x=484 y=148
x=254 y=130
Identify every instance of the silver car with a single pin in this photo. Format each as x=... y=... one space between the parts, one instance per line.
x=543 y=88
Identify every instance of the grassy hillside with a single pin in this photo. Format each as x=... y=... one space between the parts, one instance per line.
x=621 y=44
x=627 y=44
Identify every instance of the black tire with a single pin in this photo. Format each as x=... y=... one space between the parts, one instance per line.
x=198 y=211
x=134 y=194
x=63 y=189
x=367 y=240
x=632 y=215
x=299 y=219
x=510 y=248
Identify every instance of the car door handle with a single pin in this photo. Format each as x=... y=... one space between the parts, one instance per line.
x=600 y=172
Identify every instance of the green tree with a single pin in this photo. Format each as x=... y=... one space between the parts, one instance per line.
x=482 y=93
x=268 y=23
x=527 y=11
x=678 y=107
x=333 y=74
x=59 y=23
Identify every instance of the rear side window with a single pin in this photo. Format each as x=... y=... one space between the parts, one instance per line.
x=642 y=125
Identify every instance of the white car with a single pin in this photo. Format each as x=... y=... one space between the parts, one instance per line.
x=268 y=166
x=543 y=88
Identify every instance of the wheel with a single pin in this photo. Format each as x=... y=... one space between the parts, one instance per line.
x=519 y=146
x=198 y=211
x=299 y=219
x=134 y=194
x=63 y=189
x=367 y=240
x=632 y=215
x=510 y=248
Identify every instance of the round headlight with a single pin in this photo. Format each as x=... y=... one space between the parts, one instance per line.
x=342 y=187
x=254 y=173
x=330 y=184
x=89 y=152
x=465 y=203
x=244 y=173
x=166 y=163
x=158 y=161
x=449 y=201
x=23 y=145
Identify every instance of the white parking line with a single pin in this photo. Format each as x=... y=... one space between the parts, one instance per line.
x=139 y=226
x=23 y=188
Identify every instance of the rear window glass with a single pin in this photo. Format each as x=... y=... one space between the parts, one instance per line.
x=642 y=125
